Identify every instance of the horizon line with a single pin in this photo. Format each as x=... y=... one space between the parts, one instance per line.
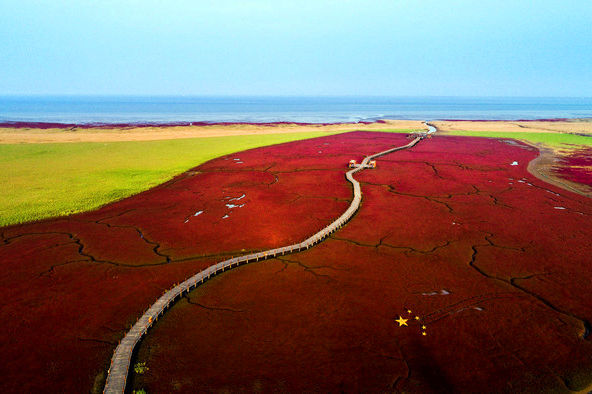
x=171 y=95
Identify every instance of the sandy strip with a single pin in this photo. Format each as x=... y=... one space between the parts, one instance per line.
x=31 y=135
x=542 y=168
x=10 y=135
x=564 y=126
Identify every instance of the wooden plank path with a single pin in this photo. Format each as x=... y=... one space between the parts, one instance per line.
x=120 y=362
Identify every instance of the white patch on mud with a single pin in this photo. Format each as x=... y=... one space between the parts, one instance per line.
x=514 y=163
x=225 y=217
x=433 y=293
x=195 y=214
x=236 y=198
x=477 y=308
x=559 y=207
x=230 y=206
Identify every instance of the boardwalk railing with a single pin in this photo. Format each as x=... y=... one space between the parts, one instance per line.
x=120 y=362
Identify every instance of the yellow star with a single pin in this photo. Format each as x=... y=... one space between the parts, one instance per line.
x=423 y=327
x=401 y=321
x=408 y=310
x=424 y=333
x=416 y=317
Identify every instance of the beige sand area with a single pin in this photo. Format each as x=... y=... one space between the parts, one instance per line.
x=30 y=135
x=574 y=126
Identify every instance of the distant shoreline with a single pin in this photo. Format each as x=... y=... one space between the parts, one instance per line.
x=145 y=112
x=57 y=125
x=123 y=125
x=50 y=132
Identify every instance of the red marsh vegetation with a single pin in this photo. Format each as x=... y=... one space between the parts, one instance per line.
x=576 y=166
x=72 y=286
x=494 y=262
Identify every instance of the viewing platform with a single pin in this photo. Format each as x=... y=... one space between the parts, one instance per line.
x=354 y=164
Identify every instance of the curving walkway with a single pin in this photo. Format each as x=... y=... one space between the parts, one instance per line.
x=431 y=128
x=120 y=362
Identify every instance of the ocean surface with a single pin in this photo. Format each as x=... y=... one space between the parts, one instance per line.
x=166 y=110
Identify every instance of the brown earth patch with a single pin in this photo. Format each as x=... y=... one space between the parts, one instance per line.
x=573 y=126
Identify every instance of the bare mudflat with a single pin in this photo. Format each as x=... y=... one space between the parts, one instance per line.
x=568 y=126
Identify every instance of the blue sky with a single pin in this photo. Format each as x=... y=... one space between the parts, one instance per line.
x=297 y=47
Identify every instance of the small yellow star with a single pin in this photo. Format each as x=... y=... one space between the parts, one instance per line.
x=408 y=310
x=423 y=327
x=416 y=317
x=401 y=321
x=424 y=333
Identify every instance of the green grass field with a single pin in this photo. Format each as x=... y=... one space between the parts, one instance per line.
x=46 y=180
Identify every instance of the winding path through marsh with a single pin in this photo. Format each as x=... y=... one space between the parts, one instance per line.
x=120 y=362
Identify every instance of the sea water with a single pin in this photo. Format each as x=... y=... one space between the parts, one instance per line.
x=182 y=109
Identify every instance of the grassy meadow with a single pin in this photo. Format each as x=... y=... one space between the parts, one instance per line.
x=46 y=180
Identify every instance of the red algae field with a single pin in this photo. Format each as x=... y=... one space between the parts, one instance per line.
x=494 y=263
x=454 y=237
x=73 y=286
x=576 y=166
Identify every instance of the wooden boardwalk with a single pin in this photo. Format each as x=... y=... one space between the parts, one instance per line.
x=120 y=362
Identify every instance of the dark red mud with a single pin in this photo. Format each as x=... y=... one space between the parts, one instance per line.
x=495 y=262
x=72 y=286
x=50 y=125
x=576 y=166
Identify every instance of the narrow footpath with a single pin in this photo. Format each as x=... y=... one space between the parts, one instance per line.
x=120 y=362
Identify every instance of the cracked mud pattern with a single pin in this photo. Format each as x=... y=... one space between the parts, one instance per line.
x=72 y=286
x=496 y=262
